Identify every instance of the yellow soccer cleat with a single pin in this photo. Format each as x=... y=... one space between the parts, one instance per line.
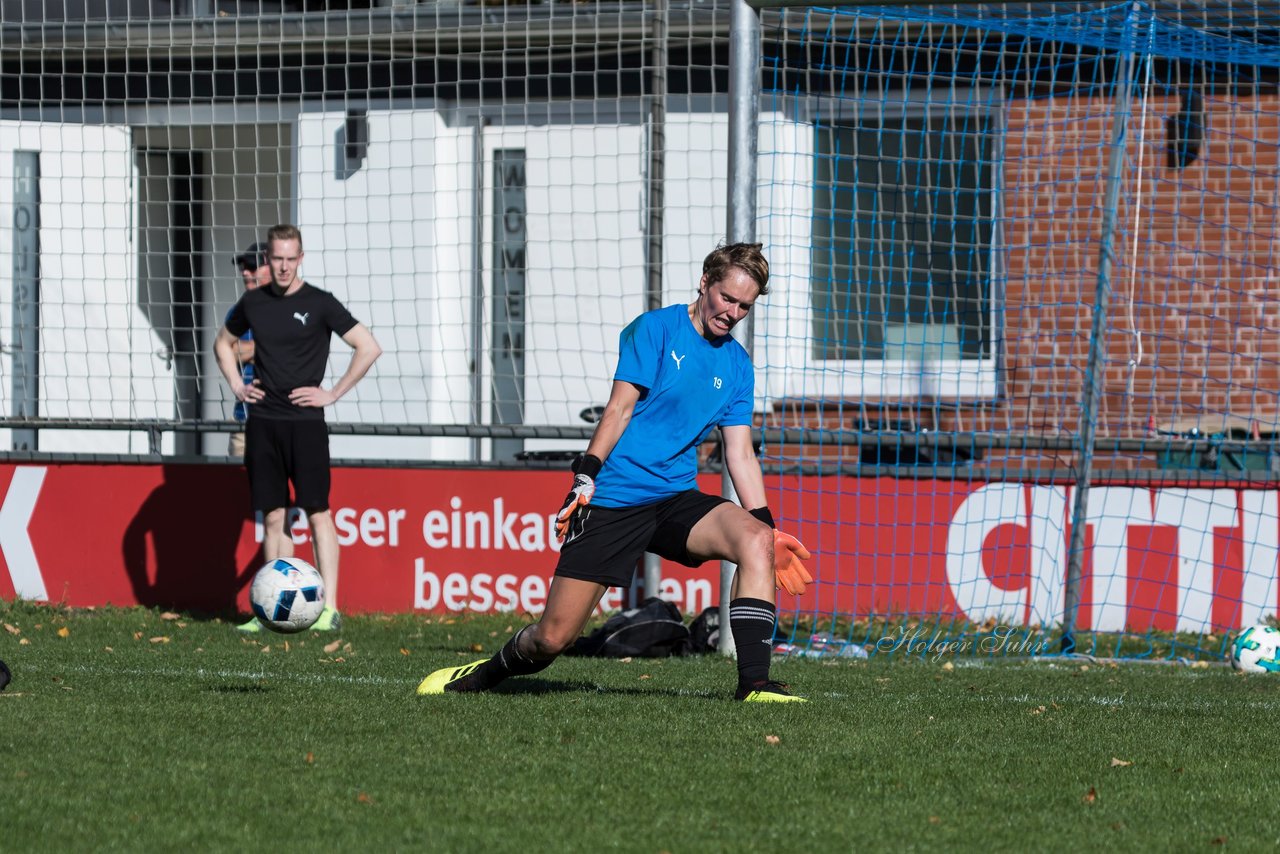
x=251 y=627
x=769 y=691
x=328 y=621
x=439 y=681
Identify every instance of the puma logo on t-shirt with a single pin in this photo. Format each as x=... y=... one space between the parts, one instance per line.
x=677 y=359
x=302 y=318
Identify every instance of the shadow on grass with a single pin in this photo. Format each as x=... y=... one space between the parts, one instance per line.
x=239 y=689
x=523 y=685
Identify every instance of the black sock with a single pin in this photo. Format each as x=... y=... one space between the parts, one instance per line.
x=751 y=621
x=508 y=662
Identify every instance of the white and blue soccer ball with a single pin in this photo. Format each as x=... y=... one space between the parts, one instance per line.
x=287 y=595
x=1257 y=650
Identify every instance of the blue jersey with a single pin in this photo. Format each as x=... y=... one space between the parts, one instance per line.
x=241 y=410
x=688 y=386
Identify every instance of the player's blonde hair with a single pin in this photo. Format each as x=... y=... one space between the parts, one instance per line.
x=747 y=257
x=284 y=231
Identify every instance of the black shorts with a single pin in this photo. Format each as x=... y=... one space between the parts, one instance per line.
x=277 y=452
x=606 y=543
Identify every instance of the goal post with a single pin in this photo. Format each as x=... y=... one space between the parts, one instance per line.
x=1028 y=262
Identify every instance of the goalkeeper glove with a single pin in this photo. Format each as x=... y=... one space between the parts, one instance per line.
x=789 y=572
x=585 y=469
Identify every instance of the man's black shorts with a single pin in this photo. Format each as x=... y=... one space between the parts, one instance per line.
x=276 y=452
x=605 y=543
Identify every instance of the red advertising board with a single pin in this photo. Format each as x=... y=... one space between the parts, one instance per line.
x=437 y=540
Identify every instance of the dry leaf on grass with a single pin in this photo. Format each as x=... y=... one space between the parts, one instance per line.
x=362 y=798
x=64 y=632
x=23 y=642
x=169 y=615
x=311 y=758
x=332 y=647
x=404 y=651
x=265 y=649
x=772 y=739
x=11 y=629
x=159 y=639
x=1119 y=763
x=1090 y=796
x=933 y=819
x=476 y=647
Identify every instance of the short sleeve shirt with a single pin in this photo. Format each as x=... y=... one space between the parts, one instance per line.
x=689 y=386
x=291 y=336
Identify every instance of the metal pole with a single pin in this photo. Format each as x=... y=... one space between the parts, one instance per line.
x=657 y=214
x=477 y=282
x=1094 y=367
x=744 y=113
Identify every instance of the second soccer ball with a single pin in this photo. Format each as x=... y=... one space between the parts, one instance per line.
x=1257 y=650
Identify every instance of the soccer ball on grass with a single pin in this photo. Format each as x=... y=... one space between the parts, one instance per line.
x=287 y=595
x=1257 y=650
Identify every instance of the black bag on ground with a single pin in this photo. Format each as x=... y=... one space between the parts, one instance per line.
x=653 y=630
x=704 y=631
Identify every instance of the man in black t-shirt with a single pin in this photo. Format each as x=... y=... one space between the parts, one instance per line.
x=286 y=440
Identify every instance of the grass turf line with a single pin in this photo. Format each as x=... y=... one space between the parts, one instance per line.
x=207 y=741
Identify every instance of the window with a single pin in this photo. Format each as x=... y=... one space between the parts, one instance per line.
x=904 y=239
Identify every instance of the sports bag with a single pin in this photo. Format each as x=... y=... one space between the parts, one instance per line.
x=653 y=630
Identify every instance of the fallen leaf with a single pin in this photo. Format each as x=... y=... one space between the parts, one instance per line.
x=311 y=758
x=1119 y=763
x=160 y=639
x=265 y=649
x=181 y=624
x=1218 y=840
x=1090 y=796
x=346 y=647
x=933 y=819
x=772 y=739
x=1038 y=710
x=169 y=615
x=626 y=660
x=404 y=651
x=286 y=646
x=476 y=647
x=108 y=649
x=332 y=647
x=645 y=676
x=13 y=630
x=948 y=666
x=339 y=659
x=64 y=632
x=24 y=642
x=1084 y=668
x=137 y=635
x=362 y=798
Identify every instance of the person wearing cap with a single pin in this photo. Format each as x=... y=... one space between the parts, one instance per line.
x=286 y=439
x=254 y=272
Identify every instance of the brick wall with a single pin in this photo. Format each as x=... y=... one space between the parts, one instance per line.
x=1193 y=333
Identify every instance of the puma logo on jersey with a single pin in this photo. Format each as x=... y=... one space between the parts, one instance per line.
x=677 y=359
x=301 y=318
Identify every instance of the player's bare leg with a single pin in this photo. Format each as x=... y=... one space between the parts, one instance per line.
x=733 y=534
x=324 y=547
x=276 y=543
x=530 y=650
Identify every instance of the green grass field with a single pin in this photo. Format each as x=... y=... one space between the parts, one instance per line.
x=143 y=731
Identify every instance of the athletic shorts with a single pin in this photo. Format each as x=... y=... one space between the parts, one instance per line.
x=606 y=543
x=277 y=452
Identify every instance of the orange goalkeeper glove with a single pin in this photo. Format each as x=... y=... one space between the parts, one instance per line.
x=788 y=572
x=585 y=469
